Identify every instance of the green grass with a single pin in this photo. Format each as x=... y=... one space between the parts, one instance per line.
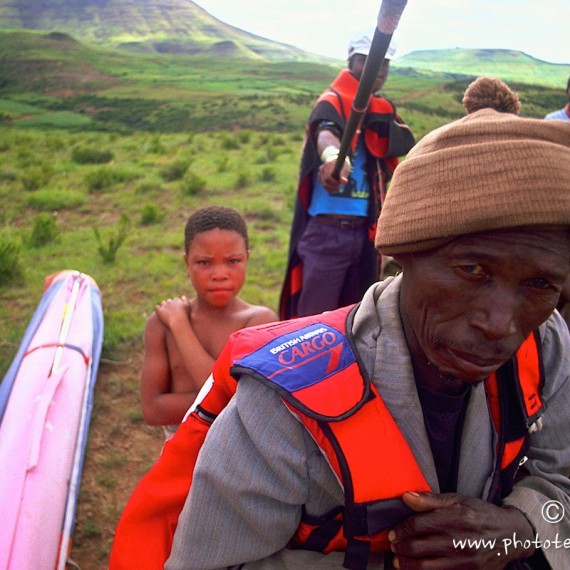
x=148 y=266
x=14 y=109
x=55 y=119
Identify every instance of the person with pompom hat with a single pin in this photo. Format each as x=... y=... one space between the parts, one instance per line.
x=456 y=452
x=491 y=92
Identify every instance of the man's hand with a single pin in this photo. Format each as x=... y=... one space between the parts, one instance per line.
x=425 y=541
x=328 y=145
x=326 y=178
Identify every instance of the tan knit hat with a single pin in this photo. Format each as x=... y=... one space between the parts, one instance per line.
x=486 y=171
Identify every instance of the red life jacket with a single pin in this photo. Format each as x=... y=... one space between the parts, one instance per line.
x=317 y=374
x=311 y=363
x=385 y=133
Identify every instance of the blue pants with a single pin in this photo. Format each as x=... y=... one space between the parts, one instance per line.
x=331 y=258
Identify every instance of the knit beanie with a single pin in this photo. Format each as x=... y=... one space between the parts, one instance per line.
x=489 y=170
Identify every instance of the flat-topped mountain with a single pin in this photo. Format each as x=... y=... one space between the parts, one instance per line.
x=173 y=26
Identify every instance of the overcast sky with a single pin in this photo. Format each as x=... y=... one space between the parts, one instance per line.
x=540 y=28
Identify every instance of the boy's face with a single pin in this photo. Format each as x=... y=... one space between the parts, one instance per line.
x=217 y=263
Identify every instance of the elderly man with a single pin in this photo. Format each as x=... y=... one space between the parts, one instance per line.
x=429 y=428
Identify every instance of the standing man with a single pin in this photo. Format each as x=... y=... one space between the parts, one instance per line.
x=332 y=259
x=562 y=114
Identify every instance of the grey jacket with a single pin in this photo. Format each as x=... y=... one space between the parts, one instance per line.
x=259 y=467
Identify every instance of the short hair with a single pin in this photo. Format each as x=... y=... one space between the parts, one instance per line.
x=487 y=92
x=213 y=217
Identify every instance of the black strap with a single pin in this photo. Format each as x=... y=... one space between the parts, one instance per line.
x=374 y=517
x=322 y=535
x=356 y=555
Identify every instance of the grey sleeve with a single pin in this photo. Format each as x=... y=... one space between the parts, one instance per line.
x=544 y=496
x=256 y=470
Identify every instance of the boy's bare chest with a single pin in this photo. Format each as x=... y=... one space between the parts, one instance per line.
x=214 y=333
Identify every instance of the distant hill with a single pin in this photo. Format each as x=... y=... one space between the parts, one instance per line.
x=171 y=26
x=53 y=79
x=508 y=65
x=52 y=73
x=183 y=27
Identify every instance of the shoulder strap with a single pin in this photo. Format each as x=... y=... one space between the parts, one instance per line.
x=340 y=106
x=313 y=366
x=315 y=370
x=303 y=359
x=514 y=394
x=529 y=369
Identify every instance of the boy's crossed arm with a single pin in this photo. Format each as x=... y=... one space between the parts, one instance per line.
x=169 y=387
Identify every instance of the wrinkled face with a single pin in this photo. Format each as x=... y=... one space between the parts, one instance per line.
x=471 y=303
x=217 y=263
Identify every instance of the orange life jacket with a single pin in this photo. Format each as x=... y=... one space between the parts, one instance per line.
x=317 y=374
x=311 y=363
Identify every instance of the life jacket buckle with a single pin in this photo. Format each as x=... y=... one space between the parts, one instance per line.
x=535 y=426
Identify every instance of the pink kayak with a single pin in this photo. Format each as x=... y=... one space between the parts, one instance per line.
x=46 y=400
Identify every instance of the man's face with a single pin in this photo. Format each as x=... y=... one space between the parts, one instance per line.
x=472 y=302
x=357 y=67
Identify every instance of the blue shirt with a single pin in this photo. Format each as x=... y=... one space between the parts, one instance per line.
x=352 y=198
x=560 y=114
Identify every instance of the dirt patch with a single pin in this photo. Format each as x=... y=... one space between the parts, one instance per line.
x=120 y=450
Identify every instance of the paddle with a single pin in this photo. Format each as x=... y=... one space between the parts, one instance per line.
x=388 y=18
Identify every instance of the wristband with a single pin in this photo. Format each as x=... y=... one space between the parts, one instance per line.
x=331 y=153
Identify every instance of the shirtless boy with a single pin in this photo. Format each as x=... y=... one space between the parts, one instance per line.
x=184 y=336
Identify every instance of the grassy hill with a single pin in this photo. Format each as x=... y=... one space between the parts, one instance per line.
x=129 y=144
x=115 y=89
x=50 y=79
x=168 y=26
x=508 y=65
